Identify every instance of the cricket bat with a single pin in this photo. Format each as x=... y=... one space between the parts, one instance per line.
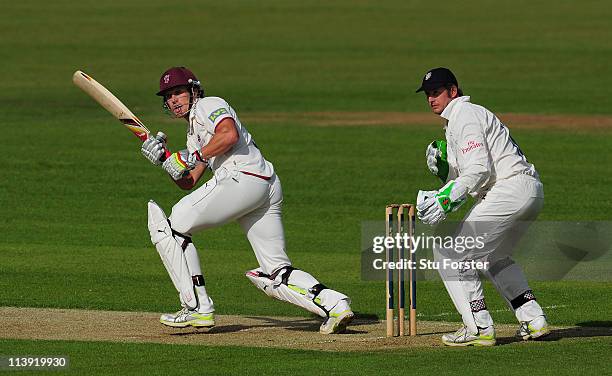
x=112 y=104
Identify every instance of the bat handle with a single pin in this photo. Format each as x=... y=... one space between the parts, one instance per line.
x=167 y=155
x=163 y=138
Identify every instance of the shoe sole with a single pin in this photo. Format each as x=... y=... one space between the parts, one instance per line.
x=539 y=334
x=476 y=342
x=194 y=323
x=341 y=325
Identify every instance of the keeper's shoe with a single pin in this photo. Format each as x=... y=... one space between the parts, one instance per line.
x=462 y=337
x=533 y=329
x=186 y=317
x=339 y=318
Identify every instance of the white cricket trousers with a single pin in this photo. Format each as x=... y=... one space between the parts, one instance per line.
x=255 y=203
x=501 y=217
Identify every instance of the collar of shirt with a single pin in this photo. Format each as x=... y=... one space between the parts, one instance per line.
x=448 y=111
x=192 y=116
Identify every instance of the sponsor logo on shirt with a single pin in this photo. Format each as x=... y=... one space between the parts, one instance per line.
x=215 y=114
x=471 y=145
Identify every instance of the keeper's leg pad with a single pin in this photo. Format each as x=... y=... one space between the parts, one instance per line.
x=297 y=287
x=171 y=253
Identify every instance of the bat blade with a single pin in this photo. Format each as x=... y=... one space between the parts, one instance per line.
x=111 y=103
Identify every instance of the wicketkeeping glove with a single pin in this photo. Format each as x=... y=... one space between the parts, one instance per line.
x=154 y=148
x=432 y=209
x=180 y=163
x=437 y=161
x=427 y=208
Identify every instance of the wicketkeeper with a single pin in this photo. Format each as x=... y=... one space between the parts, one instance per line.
x=243 y=188
x=479 y=158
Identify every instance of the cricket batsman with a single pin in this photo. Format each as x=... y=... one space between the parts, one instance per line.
x=479 y=158
x=243 y=188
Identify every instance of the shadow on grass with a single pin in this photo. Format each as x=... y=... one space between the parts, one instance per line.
x=581 y=330
x=596 y=324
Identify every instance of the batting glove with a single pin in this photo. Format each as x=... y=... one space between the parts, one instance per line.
x=180 y=163
x=437 y=161
x=154 y=148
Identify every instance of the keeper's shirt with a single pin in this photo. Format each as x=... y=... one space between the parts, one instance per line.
x=480 y=150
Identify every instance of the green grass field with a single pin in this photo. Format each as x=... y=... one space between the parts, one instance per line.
x=137 y=359
x=74 y=187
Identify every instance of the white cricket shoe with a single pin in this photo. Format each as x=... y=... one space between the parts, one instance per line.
x=533 y=329
x=186 y=317
x=339 y=318
x=484 y=337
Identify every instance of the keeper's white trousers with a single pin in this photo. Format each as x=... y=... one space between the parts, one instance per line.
x=501 y=218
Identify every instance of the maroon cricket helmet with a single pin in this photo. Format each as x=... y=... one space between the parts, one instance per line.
x=177 y=76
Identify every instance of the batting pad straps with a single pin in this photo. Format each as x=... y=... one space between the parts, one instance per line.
x=184 y=240
x=314 y=292
x=316 y=289
x=522 y=299
x=198 y=280
x=286 y=270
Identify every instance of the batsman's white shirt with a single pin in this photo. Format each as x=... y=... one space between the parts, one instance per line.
x=479 y=147
x=207 y=113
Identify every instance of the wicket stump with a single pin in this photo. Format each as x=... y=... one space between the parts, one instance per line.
x=405 y=225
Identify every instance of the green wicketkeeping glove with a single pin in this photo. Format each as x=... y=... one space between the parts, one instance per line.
x=450 y=198
x=433 y=206
x=437 y=159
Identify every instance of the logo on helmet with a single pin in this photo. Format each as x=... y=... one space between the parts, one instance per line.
x=166 y=78
x=427 y=76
